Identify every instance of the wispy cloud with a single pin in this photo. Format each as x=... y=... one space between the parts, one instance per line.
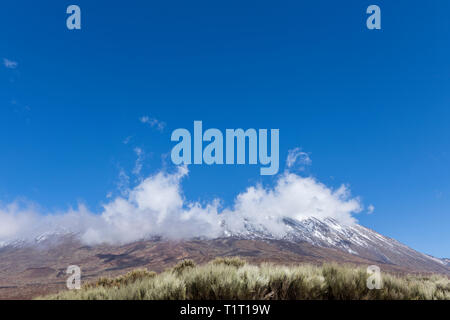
x=10 y=64
x=123 y=182
x=370 y=209
x=154 y=123
x=297 y=159
x=19 y=107
x=127 y=140
x=139 y=161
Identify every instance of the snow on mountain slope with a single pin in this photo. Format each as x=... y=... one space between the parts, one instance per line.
x=446 y=262
x=324 y=233
x=45 y=239
x=354 y=239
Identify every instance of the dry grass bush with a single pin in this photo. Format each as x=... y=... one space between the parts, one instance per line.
x=229 y=261
x=234 y=279
x=183 y=266
x=130 y=277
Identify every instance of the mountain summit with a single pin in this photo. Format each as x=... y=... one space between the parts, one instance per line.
x=350 y=238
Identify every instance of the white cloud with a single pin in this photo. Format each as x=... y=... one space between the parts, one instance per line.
x=123 y=182
x=22 y=221
x=139 y=161
x=370 y=209
x=157 y=206
x=10 y=64
x=297 y=158
x=154 y=123
x=127 y=140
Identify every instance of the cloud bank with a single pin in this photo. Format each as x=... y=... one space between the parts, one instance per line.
x=157 y=207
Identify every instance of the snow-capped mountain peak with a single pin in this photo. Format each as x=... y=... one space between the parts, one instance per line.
x=351 y=238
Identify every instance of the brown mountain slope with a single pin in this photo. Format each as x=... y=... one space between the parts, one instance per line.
x=29 y=271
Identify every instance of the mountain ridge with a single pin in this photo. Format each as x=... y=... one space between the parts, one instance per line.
x=30 y=268
x=326 y=233
x=352 y=238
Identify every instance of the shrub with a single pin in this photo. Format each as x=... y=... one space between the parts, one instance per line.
x=183 y=266
x=234 y=279
x=229 y=261
x=126 y=279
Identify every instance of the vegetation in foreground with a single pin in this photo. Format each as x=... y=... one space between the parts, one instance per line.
x=234 y=279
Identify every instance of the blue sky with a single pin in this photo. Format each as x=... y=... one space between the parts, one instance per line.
x=372 y=108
